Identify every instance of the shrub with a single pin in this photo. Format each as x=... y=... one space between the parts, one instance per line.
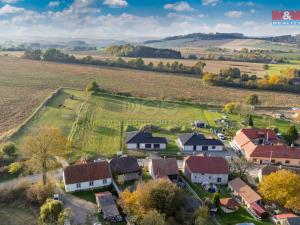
x=50 y=212
x=173 y=129
x=38 y=193
x=15 y=167
x=150 y=128
x=9 y=149
x=15 y=193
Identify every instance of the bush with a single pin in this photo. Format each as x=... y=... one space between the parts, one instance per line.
x=15 y=167
x=15 y=193
x=50 y=212
x=150 y=128
x=186 y=129
x=38 y=193
x=9 y=149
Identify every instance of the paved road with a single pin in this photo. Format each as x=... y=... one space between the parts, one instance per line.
x=56 y=174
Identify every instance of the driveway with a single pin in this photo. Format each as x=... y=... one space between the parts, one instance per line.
x=84 y=211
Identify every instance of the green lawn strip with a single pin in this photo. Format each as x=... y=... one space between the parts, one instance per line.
x=60 y=112
x=240 y=216
x=89 y=195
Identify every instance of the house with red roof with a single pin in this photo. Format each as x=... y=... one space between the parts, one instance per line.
x=87 y=176
x=262 y=146
x=204 y=169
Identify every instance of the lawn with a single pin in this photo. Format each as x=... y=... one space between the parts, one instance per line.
x=95 y=131
x=99 y=124
x=17 y=214
x=60 y=112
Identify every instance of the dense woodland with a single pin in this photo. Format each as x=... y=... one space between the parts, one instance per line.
x=142 y=51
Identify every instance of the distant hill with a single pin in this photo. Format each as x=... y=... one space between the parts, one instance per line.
x=218 y=40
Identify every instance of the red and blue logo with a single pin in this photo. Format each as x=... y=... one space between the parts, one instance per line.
x=286 y=17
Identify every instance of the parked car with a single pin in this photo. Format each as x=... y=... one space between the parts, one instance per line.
x=221 y=136
x=56 y=197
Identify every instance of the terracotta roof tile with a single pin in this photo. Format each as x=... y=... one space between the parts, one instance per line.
x=204 y=164
x=87 y=172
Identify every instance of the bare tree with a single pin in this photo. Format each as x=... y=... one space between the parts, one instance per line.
x=240 y=166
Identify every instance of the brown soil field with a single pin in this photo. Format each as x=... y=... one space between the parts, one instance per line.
x=24 y=84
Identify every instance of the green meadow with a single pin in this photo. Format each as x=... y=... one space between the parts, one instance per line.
x=94 y=123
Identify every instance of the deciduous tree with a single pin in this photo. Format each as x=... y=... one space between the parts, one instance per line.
x=42 y=147
x=153 y=217
x=291 y=135
x=282 y=187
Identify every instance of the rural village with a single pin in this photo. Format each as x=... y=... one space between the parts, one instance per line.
x=126 y=112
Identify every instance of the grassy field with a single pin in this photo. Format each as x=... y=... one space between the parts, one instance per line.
x=14 y=214
x=96 y=132
x=277 y=68
x=24 y=87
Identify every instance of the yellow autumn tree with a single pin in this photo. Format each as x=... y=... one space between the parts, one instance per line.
x=282 y=187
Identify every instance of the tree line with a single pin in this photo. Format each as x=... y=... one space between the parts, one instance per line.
x=129 y=50
x=55 y=55
x=287 y=81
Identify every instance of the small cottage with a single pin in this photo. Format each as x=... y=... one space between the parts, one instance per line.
x=142 y=140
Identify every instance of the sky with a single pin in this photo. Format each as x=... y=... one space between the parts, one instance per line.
x=139 y=19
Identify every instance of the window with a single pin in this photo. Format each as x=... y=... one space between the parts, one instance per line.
x=204 y=148
x=213 y=147
x=104 y=181
x=287 y=161
x=91 y=183
x=156 y=145
x=78 y=185
x=147 y=145
x=273 y=161
x=254 y=160
x=219 y=179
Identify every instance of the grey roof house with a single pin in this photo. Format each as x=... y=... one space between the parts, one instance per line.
x=106 y=204
x=145 y=141
x=125 y=167
x=190 y=142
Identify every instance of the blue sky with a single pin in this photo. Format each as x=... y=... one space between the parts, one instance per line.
x=139 y=19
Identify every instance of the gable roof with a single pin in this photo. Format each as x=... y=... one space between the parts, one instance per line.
x=124 y=165
x=164 y=167
x=143 y=137
x=244 y=190
x=207 y=165
x=198 y=139
x=293 y=221
x=87 y=172
x=268 y=169
x=229 y=202
x=107 y=204
x=276 y=151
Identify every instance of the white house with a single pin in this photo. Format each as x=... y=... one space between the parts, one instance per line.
x=145 y=141
x=87 y=176
x=203 y=169
x=191 y=142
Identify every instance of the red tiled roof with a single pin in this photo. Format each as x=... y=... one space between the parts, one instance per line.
x=285 y=215
x=258 y=209
x=229 y=203
x=210 y=165
x=244 y=190
x=165 y=167
x=87 y=172
x=254 y=133
x=276 y=151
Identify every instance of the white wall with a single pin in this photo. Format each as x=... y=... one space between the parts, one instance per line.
x=199 y=147
x=143 y=146
x=209 y=178
x=86 y=185
x=150 y=169
x=131 y=146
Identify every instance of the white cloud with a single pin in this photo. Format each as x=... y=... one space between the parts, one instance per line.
x=234 y=14
x=201 y=15
x=252 y=11
x=116 y=3
x=54 y=4
x=8 y=9
x=10 y=1
x=250 y=3
x=210 y=2
x=179 y=6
